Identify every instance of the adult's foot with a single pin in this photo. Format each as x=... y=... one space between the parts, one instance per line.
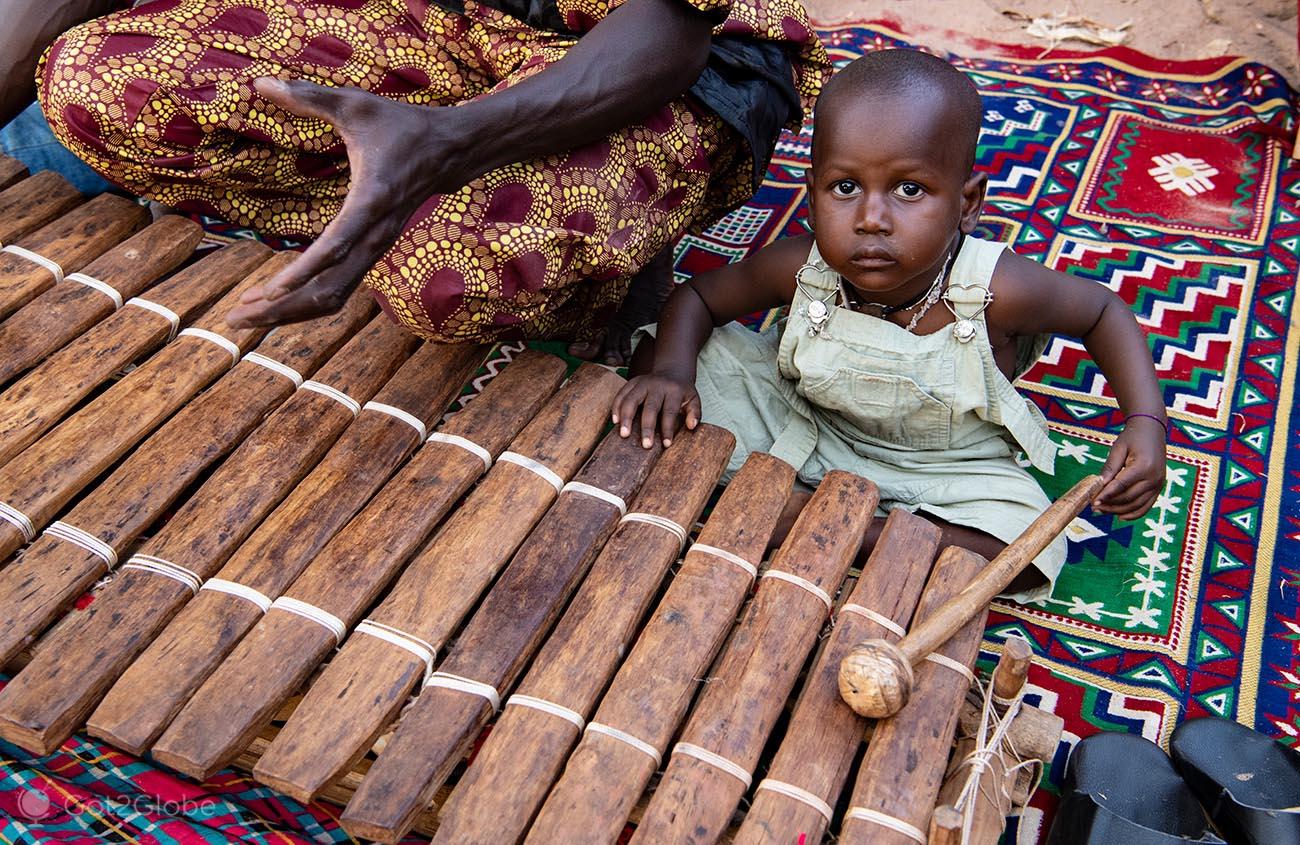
x=646 y=295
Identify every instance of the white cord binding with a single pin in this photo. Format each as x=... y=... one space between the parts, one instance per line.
x=715 y=760
x=446 y=680
x=167 y=569
x=85 y=540
x=862 y=814
x=276 y=367
x=464 y=443
x=948 y=663
x=571 y=716
x=311 y=612
x=658 y=522
x=424 y=651
x=534 y=467
x=55 y=270
x=95 y=284
x=627 y=739
x=729 y=557
x=799 y=794
x=333 y=393
x=880 y=619
x=398 y=414
x=172 y=318
x=232 y=588
x=596 y=493
x=803 y=584
x=212 y=337
x=19 y=520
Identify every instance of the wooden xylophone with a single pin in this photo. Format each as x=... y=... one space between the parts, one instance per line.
x=302 y=565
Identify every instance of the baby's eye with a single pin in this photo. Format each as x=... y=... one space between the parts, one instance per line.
x=844 y=188
x=909 y=190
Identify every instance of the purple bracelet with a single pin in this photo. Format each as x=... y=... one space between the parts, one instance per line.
x=1163 y=423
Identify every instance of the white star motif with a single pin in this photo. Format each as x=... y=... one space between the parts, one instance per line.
x=1177 y=172
x=1145 y=616
x=1090 y=609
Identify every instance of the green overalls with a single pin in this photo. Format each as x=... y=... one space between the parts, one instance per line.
x=930 y=419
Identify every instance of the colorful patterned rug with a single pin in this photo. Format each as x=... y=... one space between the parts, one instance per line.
x=1171 y=184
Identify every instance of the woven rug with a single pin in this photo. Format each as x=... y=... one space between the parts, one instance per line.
x=1168 y=182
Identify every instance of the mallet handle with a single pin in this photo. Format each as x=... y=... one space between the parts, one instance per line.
x=1001 y=571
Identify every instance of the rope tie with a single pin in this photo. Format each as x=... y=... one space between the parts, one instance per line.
x=49 y=264
x=627 y=739
x=212 y=337
x=799 y=794
x=596 y=493
x=729 y=557
x=990 y=739
x=19 y=520
x=311 y=612
x=658 y=522
x=953 y=665
x=534 y=467
x=803 y=584
x=889 y=822
x=239 y=591
x=880 y=619
x=571 y=716
x=421 y=649
x=84 y=539
x=398 y=414
x=276 y=367
x=172 y=318
x=167 y=569
x=446 y=680
x=717 y=761
x=464 y=443
x=95 y=284
x=333 y=393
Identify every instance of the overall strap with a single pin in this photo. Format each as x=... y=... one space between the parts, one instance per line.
x=972 y=275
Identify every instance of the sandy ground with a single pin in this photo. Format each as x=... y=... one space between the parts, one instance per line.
x=1262 y=30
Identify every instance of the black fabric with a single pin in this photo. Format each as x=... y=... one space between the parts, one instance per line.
x=748 y=82
x=1243 y=778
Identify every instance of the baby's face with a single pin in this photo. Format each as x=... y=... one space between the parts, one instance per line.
x=887 y=194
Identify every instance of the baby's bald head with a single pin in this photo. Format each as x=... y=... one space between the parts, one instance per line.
x=908 y=74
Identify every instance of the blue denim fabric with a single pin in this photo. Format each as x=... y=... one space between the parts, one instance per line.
x=29 y=139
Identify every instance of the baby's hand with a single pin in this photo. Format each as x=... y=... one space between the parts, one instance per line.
x=662 y=399
x=1135 y=470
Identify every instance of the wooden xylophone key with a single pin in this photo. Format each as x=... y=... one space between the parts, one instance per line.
x=899 y=778
x=54 y=570
x=36 y=484
x=282 y=649
x=11 y=171
x=497 y=797
x=45 y=702
x=387 y=430
x=810 y=769
x=198 y=540
x=35 y=404
x=63 y=312
x=711 y=766
x=624 y=742
x=29 y=204
x=496 y=643
x=365 y=684
x=39 y=260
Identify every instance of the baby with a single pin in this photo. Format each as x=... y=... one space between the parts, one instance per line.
x=904 y=331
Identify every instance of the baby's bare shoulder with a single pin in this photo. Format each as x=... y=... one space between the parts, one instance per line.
x=1029 y=298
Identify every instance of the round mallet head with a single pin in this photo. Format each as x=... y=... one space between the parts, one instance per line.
x=875 y=679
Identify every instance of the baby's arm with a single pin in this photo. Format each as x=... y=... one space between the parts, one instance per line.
x=1031 y=299
x=763 y=280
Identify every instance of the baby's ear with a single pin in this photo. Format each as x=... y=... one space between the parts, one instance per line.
x=972 y=200
x=808 y=192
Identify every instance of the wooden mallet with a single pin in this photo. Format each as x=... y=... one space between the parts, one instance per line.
x=876 y=676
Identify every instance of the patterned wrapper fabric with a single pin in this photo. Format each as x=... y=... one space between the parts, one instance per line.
x=160 y=100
